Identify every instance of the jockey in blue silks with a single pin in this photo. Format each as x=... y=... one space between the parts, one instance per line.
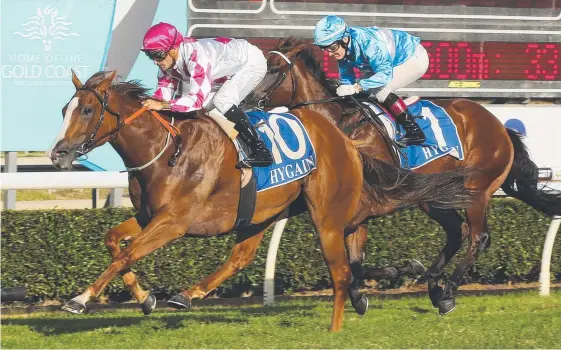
x=397 y=58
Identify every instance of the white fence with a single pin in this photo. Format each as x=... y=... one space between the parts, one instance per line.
x=56 y=180
x=100 y=179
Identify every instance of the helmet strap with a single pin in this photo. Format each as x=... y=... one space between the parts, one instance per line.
x=345 y=45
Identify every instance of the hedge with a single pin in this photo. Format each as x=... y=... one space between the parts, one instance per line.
x=57 y=253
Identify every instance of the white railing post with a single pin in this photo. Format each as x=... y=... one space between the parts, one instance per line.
x=546 y=255
x=10 y=166
x=269 y=285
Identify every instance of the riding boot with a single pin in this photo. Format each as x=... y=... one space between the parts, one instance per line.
x=260 y=155
x=413 y=134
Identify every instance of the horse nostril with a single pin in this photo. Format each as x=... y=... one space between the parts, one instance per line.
x=61 y=153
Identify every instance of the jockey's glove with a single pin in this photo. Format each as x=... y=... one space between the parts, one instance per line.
x=346 y=90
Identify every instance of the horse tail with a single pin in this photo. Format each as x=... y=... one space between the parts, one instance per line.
x=522 y=180
x=394 y=186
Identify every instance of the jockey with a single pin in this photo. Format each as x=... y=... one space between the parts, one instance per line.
x=195 y=67
x=397 y=58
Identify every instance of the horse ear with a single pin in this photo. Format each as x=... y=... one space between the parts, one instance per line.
x=77 y=83
x=106 y=82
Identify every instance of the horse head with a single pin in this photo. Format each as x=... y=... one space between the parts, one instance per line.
x=293 y=73
x=84 y=120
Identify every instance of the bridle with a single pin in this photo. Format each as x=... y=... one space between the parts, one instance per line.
x=92 y=141
x=264 y=102
x=90 y=144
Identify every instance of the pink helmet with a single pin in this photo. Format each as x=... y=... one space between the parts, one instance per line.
x=161 y=37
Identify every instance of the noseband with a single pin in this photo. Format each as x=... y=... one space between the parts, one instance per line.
x=264 y=102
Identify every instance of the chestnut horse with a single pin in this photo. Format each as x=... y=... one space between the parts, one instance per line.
x=295 y=79
x=199 y=195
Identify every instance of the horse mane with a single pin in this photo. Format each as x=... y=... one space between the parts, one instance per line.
x=304 y=49
x=132 y=89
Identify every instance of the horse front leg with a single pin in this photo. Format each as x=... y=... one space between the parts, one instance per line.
x=355 y=242
x=162 y=229
x=242 y=255
x=128 y=231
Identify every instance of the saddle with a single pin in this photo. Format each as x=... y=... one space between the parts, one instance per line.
x=371 y=111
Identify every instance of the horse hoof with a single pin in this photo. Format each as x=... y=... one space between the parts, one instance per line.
x=179 y=301
x=361 y=304
x=416 y=268
x=148 y=305
x=447 y=305
x=74 y=307
x=435 y=294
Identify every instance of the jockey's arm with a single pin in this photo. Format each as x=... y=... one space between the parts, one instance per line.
x=166 y=87
x=200 y=83
x=381 y=63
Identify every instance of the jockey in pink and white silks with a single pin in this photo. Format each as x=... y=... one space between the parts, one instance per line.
x=397 y=58
x=234 y=67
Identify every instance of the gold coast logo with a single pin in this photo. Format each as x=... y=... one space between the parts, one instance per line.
x=46 y=26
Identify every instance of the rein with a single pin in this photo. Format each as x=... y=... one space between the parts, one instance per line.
x=172 y=130
x=92 y=141
x=264 y=102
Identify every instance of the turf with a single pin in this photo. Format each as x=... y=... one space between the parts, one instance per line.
x=520 y=320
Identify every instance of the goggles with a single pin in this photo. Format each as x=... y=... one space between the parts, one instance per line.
x=156 y=55
x=331 y=48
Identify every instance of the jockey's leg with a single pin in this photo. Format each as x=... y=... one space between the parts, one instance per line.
x=403 y=75
x=229 y=97
x=260 y=155
x=413 y=134
x=225 y=124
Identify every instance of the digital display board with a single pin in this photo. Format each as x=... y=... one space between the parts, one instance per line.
x=460 y=60
x=552 y=4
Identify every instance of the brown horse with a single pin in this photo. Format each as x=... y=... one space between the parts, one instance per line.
x=199 y=195
x=295 y=79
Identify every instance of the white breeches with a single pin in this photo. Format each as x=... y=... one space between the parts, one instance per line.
x=234 y=90
x=406 y=73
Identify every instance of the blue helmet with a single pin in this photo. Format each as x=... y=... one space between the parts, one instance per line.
x=330 y=29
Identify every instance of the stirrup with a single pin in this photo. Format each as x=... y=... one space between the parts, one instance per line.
x=417 y=140
x=243 y=164
x=250 y=163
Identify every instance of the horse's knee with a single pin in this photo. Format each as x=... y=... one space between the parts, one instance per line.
x=111 y=240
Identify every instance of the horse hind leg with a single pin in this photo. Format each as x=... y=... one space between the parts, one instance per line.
x=480 y=240
x=456 y=231
x=242 y=255
x=332 y=241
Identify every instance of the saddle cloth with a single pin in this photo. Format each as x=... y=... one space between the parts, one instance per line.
x=441 y=133
x=287 y=139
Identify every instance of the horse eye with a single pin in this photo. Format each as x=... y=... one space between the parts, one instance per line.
x=88 y=111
